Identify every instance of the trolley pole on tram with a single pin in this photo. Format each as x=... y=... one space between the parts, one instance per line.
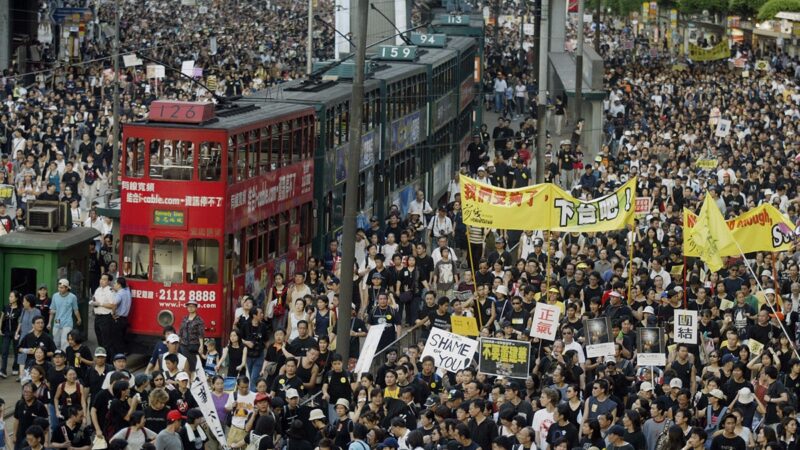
x=116 y=134
x=543 y=31
x=310 y=49
x=351 y=191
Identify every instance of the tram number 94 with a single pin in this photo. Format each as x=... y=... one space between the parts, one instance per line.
x=179 y=295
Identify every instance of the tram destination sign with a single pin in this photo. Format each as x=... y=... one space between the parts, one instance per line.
x=397 y=52
x=428 y=39
x=169 y=218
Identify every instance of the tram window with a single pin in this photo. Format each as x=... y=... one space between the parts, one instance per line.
x=167 y=260
x=202 y=258
x=283 y=234
x=231 y=158
x=135 y=256
x=210 y=162
x=134 y=157
x=252 y=245
x=306 y=223
x=241 y=158
x=286 y=150
x=171 y=160
x=275 y=159
x=252 y=153
x=264 y=148
x=298 y=133
x=272 y=239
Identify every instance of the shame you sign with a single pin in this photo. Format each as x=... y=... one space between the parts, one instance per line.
x=450 y=351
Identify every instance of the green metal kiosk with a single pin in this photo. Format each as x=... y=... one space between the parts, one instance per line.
x=29 y=259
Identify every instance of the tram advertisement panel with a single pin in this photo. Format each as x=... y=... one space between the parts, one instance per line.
x=256 y=199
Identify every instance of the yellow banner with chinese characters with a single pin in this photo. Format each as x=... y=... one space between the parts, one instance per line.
x=464 y=326
x=719 y=51
x=762 y=229
x=545 y=207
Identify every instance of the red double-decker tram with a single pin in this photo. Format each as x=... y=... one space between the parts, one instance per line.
x=214 y=202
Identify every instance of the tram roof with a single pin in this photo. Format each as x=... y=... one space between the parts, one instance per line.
x=245 y=113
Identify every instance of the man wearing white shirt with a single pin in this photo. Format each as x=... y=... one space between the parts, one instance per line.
x=419 y=204
x=658 y=270
x=436 y=254
x=441 y=225
x=104 y=303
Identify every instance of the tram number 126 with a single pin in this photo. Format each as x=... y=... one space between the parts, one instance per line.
x=179 y=295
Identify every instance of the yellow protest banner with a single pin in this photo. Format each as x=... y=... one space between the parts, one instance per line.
x=465 y=326
x=719 y=51
x=762 y=229
x=706 y=163
x=487 y=206
x=545 y=207
x=762 y=64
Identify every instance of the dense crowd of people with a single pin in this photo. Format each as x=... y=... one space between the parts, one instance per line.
x=276 y=381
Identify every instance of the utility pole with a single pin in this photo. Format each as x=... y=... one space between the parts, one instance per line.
x=543 y=29
x=579 y=66
x=117 y=129
x=351 y=190
x=309 y=49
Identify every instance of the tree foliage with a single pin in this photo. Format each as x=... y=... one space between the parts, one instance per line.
x=745 y=8
x=624 y=7
x=697 y=6
x=772 y=7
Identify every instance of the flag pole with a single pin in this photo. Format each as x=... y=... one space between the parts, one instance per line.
x=630 y=263
x=761 y=288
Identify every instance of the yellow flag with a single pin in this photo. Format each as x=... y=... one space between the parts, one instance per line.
x=709 y=235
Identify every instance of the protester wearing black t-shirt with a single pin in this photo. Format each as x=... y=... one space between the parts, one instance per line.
x=27 y=409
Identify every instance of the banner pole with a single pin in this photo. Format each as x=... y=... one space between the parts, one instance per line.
x=547 y=269
x=775 y=313
x=474 y=281
x=630 y=264
x=684 y=280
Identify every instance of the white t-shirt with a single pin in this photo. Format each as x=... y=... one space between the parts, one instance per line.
x=135 y=439
x=240 y=408
x=542 y=419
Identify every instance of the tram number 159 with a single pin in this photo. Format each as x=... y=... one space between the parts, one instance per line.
x=179 y=295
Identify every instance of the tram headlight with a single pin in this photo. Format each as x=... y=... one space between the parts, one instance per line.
x=165 y=318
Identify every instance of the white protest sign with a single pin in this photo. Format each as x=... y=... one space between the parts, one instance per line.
x=685 y=326
x=155 y=71
x=131 y=60
x=527 y=29
x=723 y=128
x=369 y=348
x=545 y=321
x=202 y=395
x=449 y=351
x=187 y=68
x=651 y=359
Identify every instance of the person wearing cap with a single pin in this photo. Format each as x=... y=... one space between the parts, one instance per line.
x=63 y=308
x=104 y=303
x=181 y=396
x=500 y=254
x=616 y=439
x=169 y=438
x=343 y=424
x=191 y=333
